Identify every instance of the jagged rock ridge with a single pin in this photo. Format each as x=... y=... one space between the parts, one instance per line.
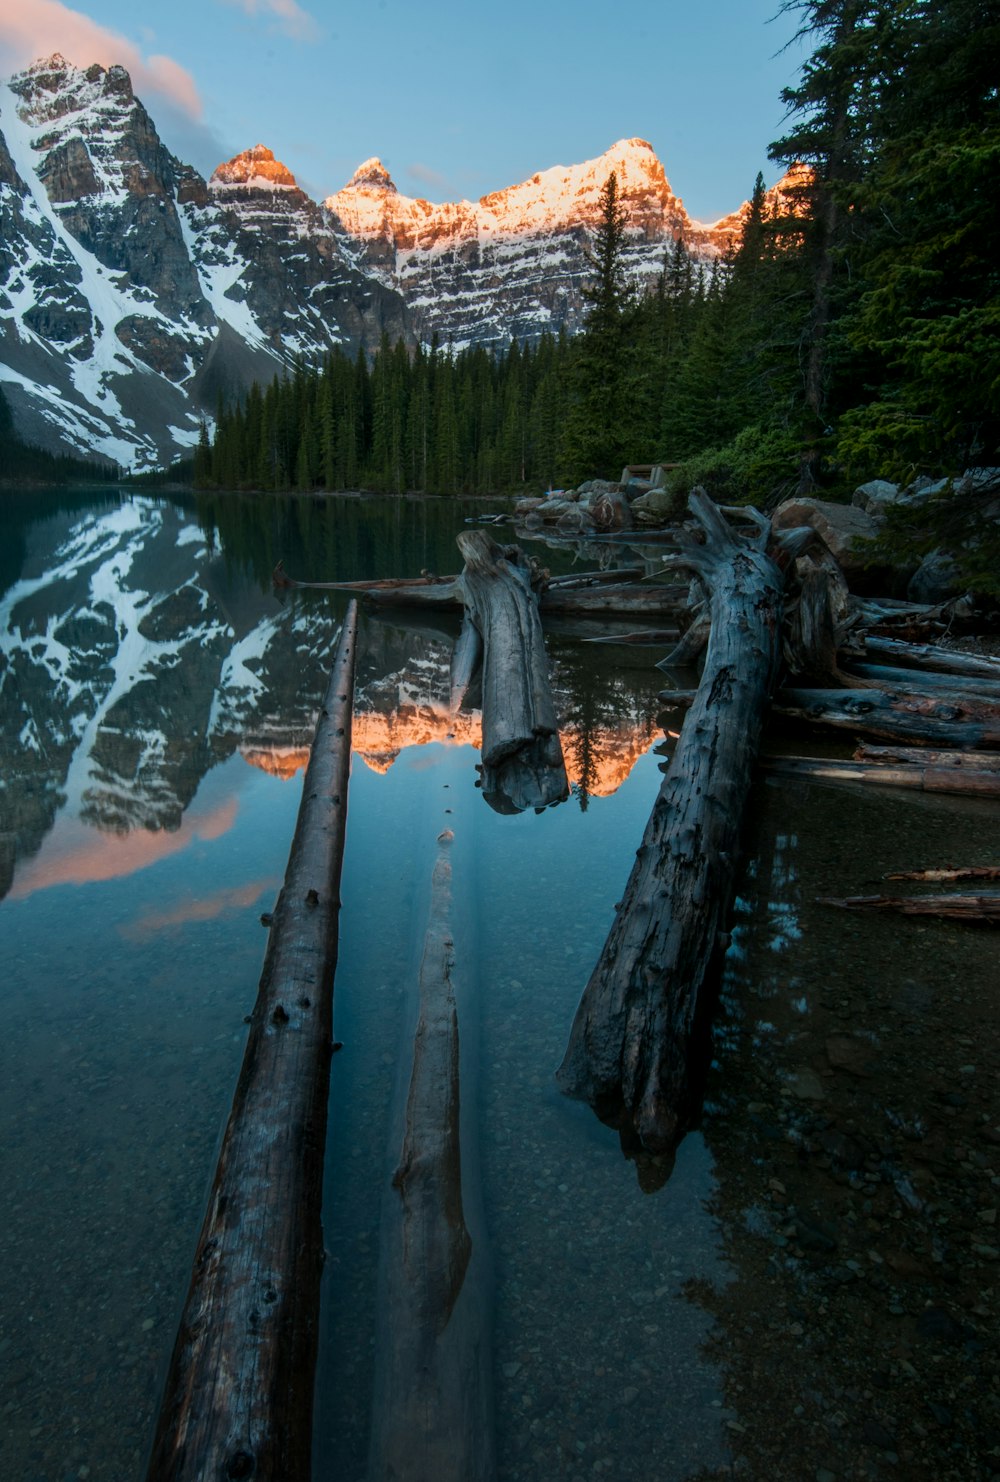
x=132 y=291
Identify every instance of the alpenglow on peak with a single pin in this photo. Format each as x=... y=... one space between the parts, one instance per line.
x=372 y=175
x=256 y=166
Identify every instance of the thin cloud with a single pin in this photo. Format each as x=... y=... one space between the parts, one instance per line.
x=30 y=29
x=427 y=176
x=289 y=17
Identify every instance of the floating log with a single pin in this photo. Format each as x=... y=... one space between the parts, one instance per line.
x=959 y=722
x=580 y=598
x=432 y=1414
x=522 y=755
x=927 y=756
x=967 y=872
x=971 y=908
x=574 y=579
x=239 y=1391
x=971 y=782
x=629 y=1045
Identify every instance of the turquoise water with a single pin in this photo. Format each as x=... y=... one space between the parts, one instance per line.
x=157 y=700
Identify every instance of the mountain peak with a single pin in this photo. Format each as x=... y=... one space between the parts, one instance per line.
x=372 y=175
x=256 y=166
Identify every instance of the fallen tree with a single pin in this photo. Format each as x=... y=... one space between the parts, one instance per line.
x=628 y=1049
x=239 y=1391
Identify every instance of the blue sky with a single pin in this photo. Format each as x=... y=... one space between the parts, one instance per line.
x=456 y=99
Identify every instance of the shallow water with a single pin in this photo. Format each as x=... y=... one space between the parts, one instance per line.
x=762 y=1312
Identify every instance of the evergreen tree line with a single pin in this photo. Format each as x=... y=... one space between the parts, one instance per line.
x=21 y=462
x=853 y=334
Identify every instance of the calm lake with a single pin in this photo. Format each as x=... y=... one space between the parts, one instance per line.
x=810 y=1292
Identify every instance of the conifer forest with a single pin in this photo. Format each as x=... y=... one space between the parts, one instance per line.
x=853 y=334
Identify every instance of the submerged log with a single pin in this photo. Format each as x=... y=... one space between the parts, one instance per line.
x=971 y=782
x=239 y=1391
x=972 y=908
x=629 y=1045
x=432 y=1415
x=522 y=756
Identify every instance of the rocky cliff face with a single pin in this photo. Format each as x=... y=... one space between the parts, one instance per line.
x=132 y=291
x=515 y=262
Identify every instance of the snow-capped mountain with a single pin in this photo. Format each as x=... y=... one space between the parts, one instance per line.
x=515 y=262
x=133 y=292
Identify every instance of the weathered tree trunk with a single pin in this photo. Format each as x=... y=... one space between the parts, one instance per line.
x=970 y=782
x=628 y=1048
x=432 y=1415
x=901 y=716
x=972 y=908
x=239 y=1392
x=522 y=757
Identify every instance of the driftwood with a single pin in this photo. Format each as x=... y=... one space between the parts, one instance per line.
x=629 y=1045
x=929 y=656
x=927 y=756
x=522 y=755
x=972 y=908
x=967 y=872
x=644 y=637
x=912 y=621
x=899 y=715
x=239 y=1391
x=970 y=782
x=432 y=1415
x=923 y=681
x=574 y=596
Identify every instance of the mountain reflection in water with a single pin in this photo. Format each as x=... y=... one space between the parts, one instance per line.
x=812 y=1292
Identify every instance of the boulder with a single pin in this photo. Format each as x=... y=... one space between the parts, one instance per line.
x=874 y=496
x=656 y=507
x=843 y=528
x=935 y=579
